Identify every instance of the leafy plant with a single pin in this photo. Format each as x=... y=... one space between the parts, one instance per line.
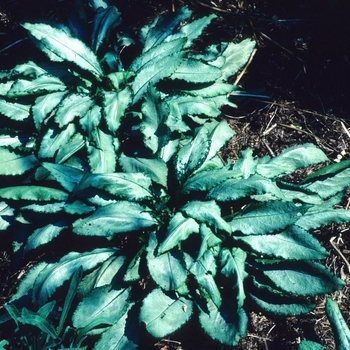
x=124 y=162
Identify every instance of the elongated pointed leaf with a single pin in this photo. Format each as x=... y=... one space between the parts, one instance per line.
x=213 y=90
x=162 y=27
x=60 y=46
x=6 y=213
x=55 y=274
x=194 y=71
x=262 y=218
x=39 y=322
x=105 y=20
x=54 y=139
x=131 y=186
x=102 y=305
x=91 y=119
x=75 y=144
x=192 y=155
x=340 y=329
x=233 y=267
x=292 y=243
x=152 y=73
x=179 y=229
x=163 y=315
x=44 y=235
x=226 y=324
x=44 y=106
x=209 y=240
x=206 y=212
x=32 y=193
x=166 y=269
x=13 y=141
x=154 y=168
x=311 y=345
x=196 y=105
x=291 y=159
x=302 y=278
x=15 y=164
x=44 y=83
x=29 y=69
x=14 y=111
x=102 y=152
x=114 y=218
x=233 y=189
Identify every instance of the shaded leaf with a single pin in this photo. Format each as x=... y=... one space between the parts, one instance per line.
x=15 y=164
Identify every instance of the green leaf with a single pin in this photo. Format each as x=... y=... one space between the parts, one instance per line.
x=292 y=243
x=213 y=90
x=311 y=345
x=29 y=69
x=67 y=176
x=105 y=20
x=102 y=149
x=196 y=105
x=103 y=305
x=39 y=322
x=14 y=111
x=291 y=159
x=163 y=315
x=102 y=276
x=192 y=30
x=166 y=269
x=44 y=235
x=233 y=189
x=226 y=324
x=192 y=154
x=114 y=218
x=32 y=193
x=340 y=328
x=115 y=104
x=162 y=27
x=233 y=267
x=12 y=141
x=60 y=46
x=45 y=105
x=53 y=275
x=44 y=83
x=179 y=229
x=154 y=168
x=75 y=144
x=206 y=180
x=302 y=278
x=15 y=164
x=53 y=140
x=262 y=218
x=209 y=240
x=73 y=106
x=91 y=120
x=5 y=213
x=204 y=271
x=194 y=71
x=208 y=213
x=236 y=56
x=124 y=334
x=246 y=163
x=151 y=73
x=131 y=186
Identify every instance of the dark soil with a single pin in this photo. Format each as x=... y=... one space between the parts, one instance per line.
x=299 y=76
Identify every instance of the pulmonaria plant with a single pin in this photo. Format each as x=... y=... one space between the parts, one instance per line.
x=129 y=156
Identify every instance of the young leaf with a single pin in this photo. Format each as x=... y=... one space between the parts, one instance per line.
x=166 y=269
x=15 y=164
x=37 y=321
x=105 y=20
x=291 y=159
x=53 y=275
x=292 y=243
x=262 y=218
x=103 y=305
x=163 y=315
x=233 y=267
x=114 y=218
x=226 y=324
x=179 y=229
x=14 y=111
x=340 y=328
x=60 y=46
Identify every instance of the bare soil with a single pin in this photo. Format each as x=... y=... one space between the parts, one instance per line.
x=299 y=79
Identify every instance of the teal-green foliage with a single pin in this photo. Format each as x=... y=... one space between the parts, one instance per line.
x=92 y=148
